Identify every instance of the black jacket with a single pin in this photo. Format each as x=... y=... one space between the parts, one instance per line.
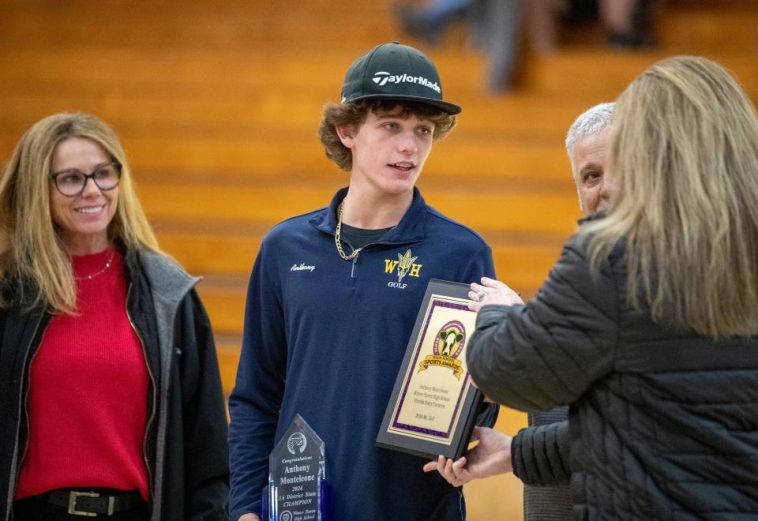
x=663 y=424
x=187 y=430
x=540 y=457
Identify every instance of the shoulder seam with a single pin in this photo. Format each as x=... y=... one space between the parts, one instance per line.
x=437 y=214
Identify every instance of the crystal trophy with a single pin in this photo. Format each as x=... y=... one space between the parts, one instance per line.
x=297 y=476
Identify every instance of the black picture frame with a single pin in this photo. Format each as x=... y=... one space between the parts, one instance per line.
x=441 y=411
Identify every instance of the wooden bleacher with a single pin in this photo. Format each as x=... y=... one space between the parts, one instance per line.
x=218 y=105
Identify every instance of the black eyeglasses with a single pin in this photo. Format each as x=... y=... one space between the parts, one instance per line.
x=72 y=182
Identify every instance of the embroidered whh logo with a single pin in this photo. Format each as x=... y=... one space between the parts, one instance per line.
x=405 y=265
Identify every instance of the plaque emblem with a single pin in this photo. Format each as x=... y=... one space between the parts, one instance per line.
x=448 y=346
x=450 y=340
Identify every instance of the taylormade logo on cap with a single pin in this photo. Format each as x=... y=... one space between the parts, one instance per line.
x=382 y=78
x=395 y=72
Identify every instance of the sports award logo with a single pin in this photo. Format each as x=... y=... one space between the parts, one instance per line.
x=448 y=346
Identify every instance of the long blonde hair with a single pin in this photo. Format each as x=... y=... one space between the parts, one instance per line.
x=684 y=157
x=34 y=267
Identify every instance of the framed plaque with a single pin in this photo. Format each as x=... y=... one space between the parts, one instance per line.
x=434 y=404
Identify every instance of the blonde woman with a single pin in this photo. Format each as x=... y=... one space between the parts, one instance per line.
x=112 y=404
x=647 y=325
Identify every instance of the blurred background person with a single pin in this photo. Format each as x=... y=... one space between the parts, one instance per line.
x=625 y=23
x=429 y=21
x=539 y=455
x=496 y=27
x=112 y=398
x=647 y=324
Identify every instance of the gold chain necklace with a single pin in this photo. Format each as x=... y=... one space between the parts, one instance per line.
x=337 y=234
x=103 y=270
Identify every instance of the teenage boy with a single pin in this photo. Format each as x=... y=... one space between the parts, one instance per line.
x=334 y=295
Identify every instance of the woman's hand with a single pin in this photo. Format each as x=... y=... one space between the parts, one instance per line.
x=491 y=291
x=490 y=457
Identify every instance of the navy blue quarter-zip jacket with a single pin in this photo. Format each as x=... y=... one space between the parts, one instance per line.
x=324 y=338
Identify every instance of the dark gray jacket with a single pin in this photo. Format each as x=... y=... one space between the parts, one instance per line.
x=187 y=431
x=663 y=424
x=540 y=455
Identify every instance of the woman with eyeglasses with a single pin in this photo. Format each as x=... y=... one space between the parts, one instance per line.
x=110 y=396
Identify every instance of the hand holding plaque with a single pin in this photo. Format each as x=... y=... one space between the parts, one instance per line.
x=434 y=403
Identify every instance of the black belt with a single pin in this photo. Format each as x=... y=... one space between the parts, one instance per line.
x=91 y=503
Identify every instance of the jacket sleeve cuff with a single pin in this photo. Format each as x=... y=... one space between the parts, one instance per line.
x=234 y=515
x=540 y=455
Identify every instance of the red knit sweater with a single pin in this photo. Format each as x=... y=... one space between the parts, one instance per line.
x=87 y=400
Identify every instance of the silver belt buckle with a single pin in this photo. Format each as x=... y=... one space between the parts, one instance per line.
x=73 y=495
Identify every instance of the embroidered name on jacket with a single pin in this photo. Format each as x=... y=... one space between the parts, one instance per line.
x=404 y=265
x=302 y=267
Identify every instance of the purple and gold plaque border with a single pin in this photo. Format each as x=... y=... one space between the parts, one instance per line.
x=436 y=302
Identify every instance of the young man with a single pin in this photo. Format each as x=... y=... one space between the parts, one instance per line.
x=539 y=455
x=334 y=295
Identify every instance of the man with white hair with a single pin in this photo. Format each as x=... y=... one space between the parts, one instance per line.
x=587 y=144
x=539 y=454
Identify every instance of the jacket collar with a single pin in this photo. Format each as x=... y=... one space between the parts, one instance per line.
x=592 y=217
x=409 y=229
x=166 y=278
x=168 y=284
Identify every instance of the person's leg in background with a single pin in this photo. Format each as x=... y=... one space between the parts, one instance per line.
x=627 y=22
x=429 y=21
x=541 y=20
x=502 y=25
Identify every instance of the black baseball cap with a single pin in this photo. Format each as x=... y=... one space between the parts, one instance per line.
x=395 y=71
